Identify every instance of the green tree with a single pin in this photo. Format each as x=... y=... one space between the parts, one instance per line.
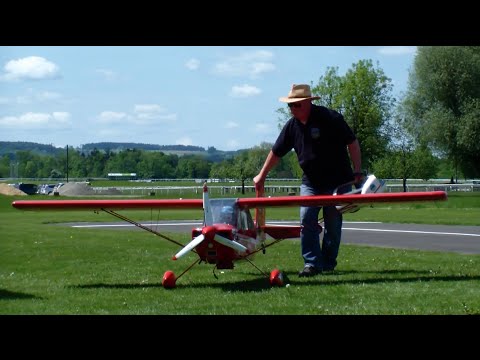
x=30 y=169
x=222 y=170
x=5 y=166
x=425 y=165
x=367 y=105
x=193 y=167
x=404 y=159
x=330 y=88
x=155 y=165
x=469 y=138
x=442 y=102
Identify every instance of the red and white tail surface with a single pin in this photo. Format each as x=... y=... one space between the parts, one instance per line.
x=371 y=185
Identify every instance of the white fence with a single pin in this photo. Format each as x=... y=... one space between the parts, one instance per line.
x=278 y=190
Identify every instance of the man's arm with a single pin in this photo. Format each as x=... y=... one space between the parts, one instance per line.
x=356 y=157
x=270 y=162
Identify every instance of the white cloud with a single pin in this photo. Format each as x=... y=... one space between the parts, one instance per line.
x=111 y=117
x=37 y=120
x=244 y=91
x=146 y=118
x=48 y=95
x=22 y=100
x=397 y=50
x=184 y=141
x=232 y=144
x=109 y=133
x=31 y=97
x=262 y=128
x=192 y=64
x=251 y=64
x=61 y=116
x=231 y=125
x=148 y=108
x=142 y=115
x=150 y=113
x=107 y=74
x=30 y=68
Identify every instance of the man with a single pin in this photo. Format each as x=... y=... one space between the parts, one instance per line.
x=226 y=215
x=320 y=138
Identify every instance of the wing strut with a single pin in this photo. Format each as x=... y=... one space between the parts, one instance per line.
x=117 y=215
x=260 y=217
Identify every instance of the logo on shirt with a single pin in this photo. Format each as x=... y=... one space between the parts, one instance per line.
x=315 y=133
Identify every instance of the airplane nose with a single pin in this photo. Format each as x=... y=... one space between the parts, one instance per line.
x=209 y=232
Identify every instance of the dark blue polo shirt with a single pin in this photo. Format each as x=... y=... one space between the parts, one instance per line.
x=321 y=147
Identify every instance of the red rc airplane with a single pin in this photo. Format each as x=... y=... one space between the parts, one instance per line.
x=229 y=232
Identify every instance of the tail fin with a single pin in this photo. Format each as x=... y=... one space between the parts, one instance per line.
x=207 y=209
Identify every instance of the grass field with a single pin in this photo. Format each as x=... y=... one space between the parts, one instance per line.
x=53 y=269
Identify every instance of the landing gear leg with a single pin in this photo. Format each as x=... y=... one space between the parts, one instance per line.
x=275 y=278
x=169 y=280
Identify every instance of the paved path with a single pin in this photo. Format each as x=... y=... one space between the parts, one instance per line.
x=452 y=238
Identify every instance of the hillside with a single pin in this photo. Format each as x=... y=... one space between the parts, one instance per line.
x=11 y=147
x=113 y=146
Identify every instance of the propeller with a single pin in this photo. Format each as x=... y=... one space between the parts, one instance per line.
x=192 y=244
x=230 y=243
x=209 y=232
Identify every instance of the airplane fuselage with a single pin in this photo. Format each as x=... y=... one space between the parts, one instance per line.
x=213 y=252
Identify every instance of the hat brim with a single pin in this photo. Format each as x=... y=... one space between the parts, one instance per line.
x=291 y=100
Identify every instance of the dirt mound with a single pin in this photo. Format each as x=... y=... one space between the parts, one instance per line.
x=82 y=189
x=75 y=189
x=6 y=189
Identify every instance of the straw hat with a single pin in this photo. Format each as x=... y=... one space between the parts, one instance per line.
x=299 y=93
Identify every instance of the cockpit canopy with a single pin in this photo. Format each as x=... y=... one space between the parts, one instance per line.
x=226 y=211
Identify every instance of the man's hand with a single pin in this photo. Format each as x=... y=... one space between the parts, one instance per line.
x=259 y=182
x=359 y=179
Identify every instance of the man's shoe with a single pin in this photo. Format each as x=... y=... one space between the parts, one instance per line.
x=308 y=271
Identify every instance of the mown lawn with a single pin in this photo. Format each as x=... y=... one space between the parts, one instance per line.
x=53 y=269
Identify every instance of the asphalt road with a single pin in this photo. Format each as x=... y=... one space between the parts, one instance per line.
x=459 y=239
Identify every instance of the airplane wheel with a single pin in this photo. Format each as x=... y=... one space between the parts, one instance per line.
x=276 y=278
x=169 y=280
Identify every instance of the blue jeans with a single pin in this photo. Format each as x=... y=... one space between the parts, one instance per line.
x=324 y=258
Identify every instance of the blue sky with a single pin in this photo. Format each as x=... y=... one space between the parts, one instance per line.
x=221 y=96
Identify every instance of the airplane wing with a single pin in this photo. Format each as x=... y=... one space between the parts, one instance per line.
x=133 y=204
x=326 y=200
x=260 y=202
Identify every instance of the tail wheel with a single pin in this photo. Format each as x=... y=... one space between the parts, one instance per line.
x=276 y=278
x=169 y=280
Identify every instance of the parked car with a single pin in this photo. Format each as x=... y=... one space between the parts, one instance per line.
x=29 y=189
x=56 y=188
x=45 y=189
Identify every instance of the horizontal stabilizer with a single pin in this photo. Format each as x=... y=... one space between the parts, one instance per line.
x=282 y=231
